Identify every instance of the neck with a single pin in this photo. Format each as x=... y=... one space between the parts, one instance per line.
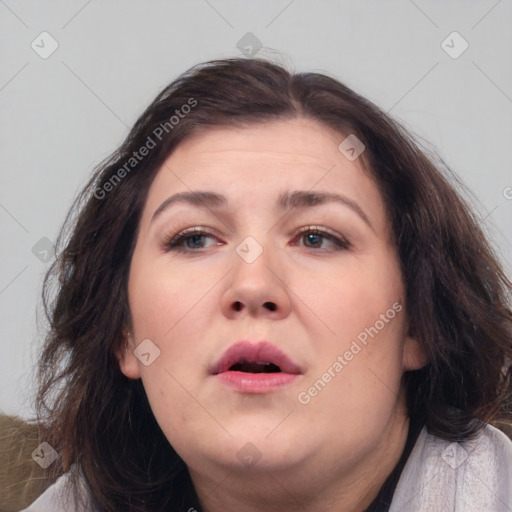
x=318 y=487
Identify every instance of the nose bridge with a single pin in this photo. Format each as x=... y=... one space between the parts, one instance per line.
x=256 y=284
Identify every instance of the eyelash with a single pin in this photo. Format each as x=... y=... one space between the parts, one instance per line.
x=175 y=243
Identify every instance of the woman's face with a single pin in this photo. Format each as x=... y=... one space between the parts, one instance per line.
x=293 y=270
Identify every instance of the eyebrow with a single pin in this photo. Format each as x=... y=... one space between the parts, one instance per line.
x=304 y=199
x=297 y=199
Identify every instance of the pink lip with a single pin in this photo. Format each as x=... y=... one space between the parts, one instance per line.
x=261 y=352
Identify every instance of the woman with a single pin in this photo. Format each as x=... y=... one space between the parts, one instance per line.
x=271 y=299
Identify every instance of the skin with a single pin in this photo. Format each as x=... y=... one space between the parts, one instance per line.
x=335 y=452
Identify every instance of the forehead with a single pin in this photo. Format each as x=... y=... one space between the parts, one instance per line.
x=285 y=141
x=259 y=162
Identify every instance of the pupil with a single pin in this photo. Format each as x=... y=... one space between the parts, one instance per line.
x=313 y=238
x=195 y=239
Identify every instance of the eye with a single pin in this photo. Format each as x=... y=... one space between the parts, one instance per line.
x=195 y=239
x=189 y=240
x=314 y=237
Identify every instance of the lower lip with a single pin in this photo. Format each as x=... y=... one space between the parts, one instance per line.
x=255 y=383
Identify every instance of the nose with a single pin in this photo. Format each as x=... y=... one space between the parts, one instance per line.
x=257 y=289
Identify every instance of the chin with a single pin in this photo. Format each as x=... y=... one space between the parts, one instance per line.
x=274 y=448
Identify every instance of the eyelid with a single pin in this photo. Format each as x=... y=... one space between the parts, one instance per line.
x=321 y=229
x=195 y=229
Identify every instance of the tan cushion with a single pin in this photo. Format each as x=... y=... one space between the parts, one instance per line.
x=22 y=480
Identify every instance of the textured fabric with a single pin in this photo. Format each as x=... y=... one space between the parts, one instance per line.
x=439 y=476
x=385 y=497
x=21 y=480
x=474 y=476
x=58 y=498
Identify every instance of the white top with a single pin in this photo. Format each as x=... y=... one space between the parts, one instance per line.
x=474 y=476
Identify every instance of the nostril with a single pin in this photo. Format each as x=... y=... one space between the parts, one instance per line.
x=270 y=305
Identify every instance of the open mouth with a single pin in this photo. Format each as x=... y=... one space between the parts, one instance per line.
x=255 y=368
x=262 y=357
x=250 y=367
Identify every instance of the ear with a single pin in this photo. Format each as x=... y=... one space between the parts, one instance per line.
x=128 y=363
x=414 y=355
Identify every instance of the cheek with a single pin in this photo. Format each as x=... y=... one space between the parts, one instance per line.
x=355 y=382
x=173 y=310
x=352 y=298
x=161 y=297
x=359 y=326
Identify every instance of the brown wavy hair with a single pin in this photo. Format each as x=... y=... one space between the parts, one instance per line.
x=457 y=294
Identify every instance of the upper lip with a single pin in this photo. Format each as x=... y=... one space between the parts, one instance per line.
x=261 y=352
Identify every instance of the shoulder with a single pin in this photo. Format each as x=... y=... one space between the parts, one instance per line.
x=59 y=498
x=471 y=476
x=439 y=476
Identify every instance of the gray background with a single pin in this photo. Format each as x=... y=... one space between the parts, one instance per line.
x=62 y=115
